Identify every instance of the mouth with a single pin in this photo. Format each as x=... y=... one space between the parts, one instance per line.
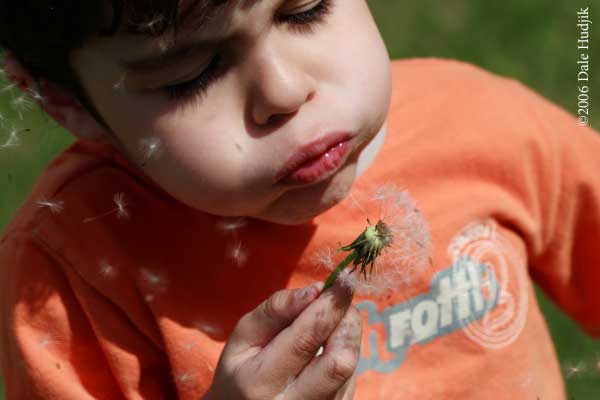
x=317 y=160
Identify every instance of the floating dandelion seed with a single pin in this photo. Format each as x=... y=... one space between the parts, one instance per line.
x=21 y=104
x=229 y=224
x=2 y=120
x=597 y=363
x=208 y=328
x=13 y=138
x=184 y=377
x=237 y=253
x=54 y=206
x=388 y=253
x=324 y=257
x=151 y=24
x=163 y=45
x=47 y=340
x=8 y=87
x=107 y=270
x=35 y=95
x=574 y=370
x=121 y=210
x=152 y=282
x=120 y=84
x=151 y=147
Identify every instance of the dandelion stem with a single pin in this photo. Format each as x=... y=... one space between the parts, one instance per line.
x=343 y=264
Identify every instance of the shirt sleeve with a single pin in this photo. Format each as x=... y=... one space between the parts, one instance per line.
x=565 y=256
x=50 y=347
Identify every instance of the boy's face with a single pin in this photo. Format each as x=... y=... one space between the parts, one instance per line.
x=276 y=89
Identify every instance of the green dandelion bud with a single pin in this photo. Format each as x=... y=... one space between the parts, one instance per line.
x=364 y=250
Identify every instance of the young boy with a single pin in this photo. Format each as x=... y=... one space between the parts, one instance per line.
x=127 y=274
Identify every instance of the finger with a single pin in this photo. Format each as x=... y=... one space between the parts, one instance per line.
x=295 y=346
x=328 y=375
x=259 y=326
x=347 y=392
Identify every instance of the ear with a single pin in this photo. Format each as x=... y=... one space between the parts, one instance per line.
x=58 y=102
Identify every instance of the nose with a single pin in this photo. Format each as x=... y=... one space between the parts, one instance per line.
x=278 y=87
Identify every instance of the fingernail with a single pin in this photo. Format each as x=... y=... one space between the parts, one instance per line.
x=307 y=292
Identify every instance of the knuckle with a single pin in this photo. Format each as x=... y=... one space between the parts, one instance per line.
x=340 y=368
x=354 y=317
x=274 y=307
x=306 y=344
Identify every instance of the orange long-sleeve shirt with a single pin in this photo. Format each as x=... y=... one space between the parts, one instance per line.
x=139 y=306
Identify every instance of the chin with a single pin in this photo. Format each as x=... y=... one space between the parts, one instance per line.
x=301 y=205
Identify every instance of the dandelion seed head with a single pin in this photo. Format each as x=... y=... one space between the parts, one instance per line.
x=54 y=206
x=391 y=252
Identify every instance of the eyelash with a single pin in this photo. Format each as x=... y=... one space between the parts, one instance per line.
x=303 y=22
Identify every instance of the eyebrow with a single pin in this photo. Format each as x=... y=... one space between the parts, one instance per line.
x=199 y=14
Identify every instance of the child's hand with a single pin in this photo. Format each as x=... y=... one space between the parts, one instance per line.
x=271 y=352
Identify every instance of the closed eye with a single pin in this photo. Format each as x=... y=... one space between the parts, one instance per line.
x=302 y=22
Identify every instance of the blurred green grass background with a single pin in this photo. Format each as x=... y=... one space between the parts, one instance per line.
x=533 y=41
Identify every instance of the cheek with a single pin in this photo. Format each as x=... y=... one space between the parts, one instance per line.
x=361 y=59
x=198 y=152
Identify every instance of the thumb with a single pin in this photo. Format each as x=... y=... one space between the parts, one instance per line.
x=259 y=326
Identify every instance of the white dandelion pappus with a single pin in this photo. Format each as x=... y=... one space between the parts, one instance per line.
x=231 y=224
x=119 y=199
x=47 y=340
x=324 y=257
x=574 y=369
x=14 y=139
x=54 y=206
x=120 y=209
x=107 y=270
x=151 y=148
x=35 y=95
x=400 y=246
x=120 y=84
x=21 y=104
x=151 y=24
x=208 y=328
x=237 y=253
x=8 y=87
x=152 y=282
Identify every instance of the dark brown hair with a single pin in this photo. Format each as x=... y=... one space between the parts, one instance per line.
x=41 y=34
